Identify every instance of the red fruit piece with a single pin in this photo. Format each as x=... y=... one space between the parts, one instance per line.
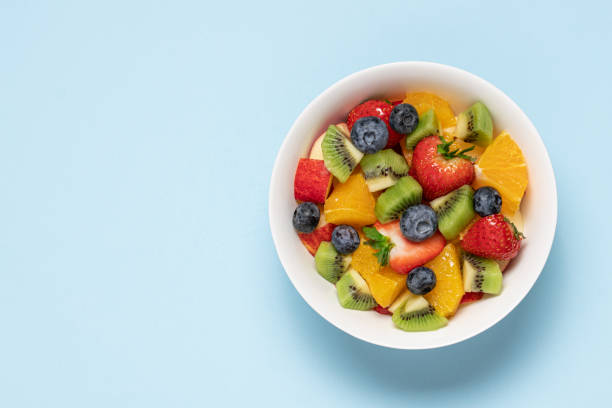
x=375 y=108
x=493 y=237
x=407 y=255
x=313 y=240
x=438 y=169
x=312 y=181
x=382 y=310
x=470 y=297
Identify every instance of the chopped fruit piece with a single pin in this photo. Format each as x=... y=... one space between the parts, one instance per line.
x=475 y=125
x=353 y=292
x=447 y=294
x=351 y=203
x=503 y=265
x=316 y=152
x=382 y=310
x=329 y=263
x=424 y=101
x=384 y=283
x=421 y=280
x=438 y=169
x=306 y=217
x=455 y=211
x=470 y=297
x=493 y=237
x=339 y=154
x=312 y=181
x=406 y=255
x=481 y=275
x=396 y=199
x=428 y=126
x=406 y=152
x=503 y=167
x=416 y=314
x=345 y=239
x=378 y=109
x=383 y=169
x=313 y=240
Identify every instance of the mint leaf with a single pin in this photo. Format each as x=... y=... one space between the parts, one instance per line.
x=382 y=244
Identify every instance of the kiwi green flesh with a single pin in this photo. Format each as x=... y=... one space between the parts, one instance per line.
x=329 y=263
x=481 y=275
x=339 y=154
x=416 y=314
x=353 y=292
x=393 y=202
x=382 y=169
x=475 y=125
x=428 y=125
x=455 y=210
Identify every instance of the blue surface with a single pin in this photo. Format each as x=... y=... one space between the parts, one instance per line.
x=136 y=146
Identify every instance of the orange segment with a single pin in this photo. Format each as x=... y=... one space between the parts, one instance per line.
x=503 y=167
x=423 y=101
x=447 y=294
x=385 y=285
x=351 y=203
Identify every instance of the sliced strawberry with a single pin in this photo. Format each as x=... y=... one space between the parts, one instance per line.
x=375 y=108
x=407 y=255
x=438 y=169
x=312 y=181
x=470 y=297
x=493 y=237
x=313 y=240
x=382 y=310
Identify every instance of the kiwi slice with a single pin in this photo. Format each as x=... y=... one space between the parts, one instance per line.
x=416 y=314
x=353 y=292
x=428 y=125
x=383 y=169
x=392 y=203
x=481 y=274
x=475 y=125
x=329 y=263
x=455 y=211
x=339 y=154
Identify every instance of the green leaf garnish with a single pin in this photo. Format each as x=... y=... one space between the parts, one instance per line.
x=382 y=244
x=388 y=101
x=444 y=150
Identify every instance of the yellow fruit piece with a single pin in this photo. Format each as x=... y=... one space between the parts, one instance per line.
x=407 y=153
x=461 y=145
x=447 y=294
x=351 y=203
x=385 y=284
x=503 y=167
x=423 y=101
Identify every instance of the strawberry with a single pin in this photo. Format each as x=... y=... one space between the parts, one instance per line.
x=405 y=255
x=493 y=237
x=470 y=297
x=438 y=169
x=313 y=240
x=375 y=108
x=382 y=310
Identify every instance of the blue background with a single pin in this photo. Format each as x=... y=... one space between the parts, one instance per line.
x=136 y=145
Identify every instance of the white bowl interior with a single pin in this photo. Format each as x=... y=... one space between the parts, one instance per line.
x=461 y=89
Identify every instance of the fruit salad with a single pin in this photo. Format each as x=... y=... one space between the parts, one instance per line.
x=410 y=210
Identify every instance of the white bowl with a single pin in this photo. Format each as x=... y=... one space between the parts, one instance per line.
x=461 y=89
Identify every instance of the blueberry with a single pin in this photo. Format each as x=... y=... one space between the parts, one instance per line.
x=404 y=118
x=487 y=201
x=345 y=239
x=369 y=134
x=418 y=222
x=421 y=280
x=306 y=217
